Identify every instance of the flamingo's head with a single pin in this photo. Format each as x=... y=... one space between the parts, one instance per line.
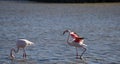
x=66 y=31
x=12 y=55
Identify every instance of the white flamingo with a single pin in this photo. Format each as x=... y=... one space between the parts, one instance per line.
x=76 y=42
x=21 y=43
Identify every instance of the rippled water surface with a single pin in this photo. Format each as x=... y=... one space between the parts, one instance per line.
x=43 y=24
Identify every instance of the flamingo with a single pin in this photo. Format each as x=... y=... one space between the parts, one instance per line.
x=77 y=42
x=21 y=43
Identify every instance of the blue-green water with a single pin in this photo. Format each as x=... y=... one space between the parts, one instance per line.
x=43 y=24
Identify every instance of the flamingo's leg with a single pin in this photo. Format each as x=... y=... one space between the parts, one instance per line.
x=24 y=53
x=76 y=53
x=83 y=52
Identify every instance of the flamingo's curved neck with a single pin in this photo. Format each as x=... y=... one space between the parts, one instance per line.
x=68 y=39
x=13 y=50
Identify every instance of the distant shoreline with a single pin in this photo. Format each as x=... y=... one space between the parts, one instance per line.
x=13 y=1
x=67 y=1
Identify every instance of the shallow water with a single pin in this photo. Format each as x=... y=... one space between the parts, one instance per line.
x=43 y=24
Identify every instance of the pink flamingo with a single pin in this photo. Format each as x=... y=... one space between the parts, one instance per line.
x=21 y=43
x=76 y=42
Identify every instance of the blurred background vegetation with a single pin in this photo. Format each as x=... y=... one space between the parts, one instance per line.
x=76 y=1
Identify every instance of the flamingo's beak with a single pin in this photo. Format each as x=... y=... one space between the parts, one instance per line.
x=65 y=31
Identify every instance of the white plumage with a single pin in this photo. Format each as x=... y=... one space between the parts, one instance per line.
x=21 y=43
